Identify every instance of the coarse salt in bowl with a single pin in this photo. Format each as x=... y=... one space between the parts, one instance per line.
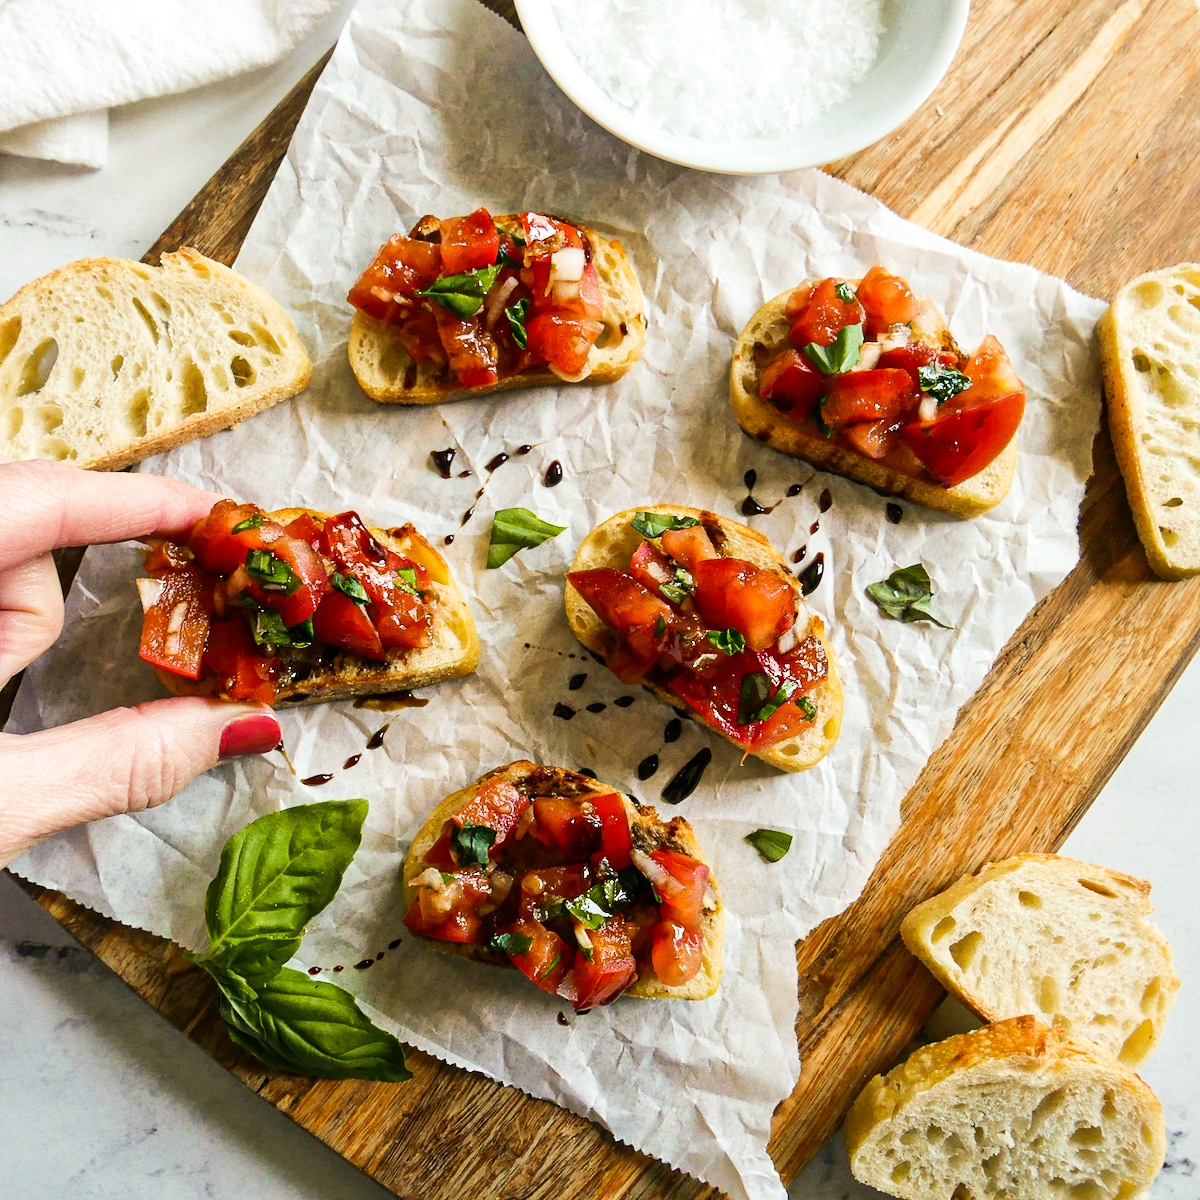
x=742 y=86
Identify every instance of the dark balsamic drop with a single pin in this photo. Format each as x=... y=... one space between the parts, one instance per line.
x=314 y=970
x=810 y=577
x=337 y=969
x=524 y=449
x=623 y=701
x=685 y=781
x=379 y=956
x=795 y=489
x=576 y=681
x=554 y=474
x=750 y=479
x=393 y=945
x=597 y=706
x=751 y=507
x=563 y=711
x=814 y=527
x=448 y=539
x=563 y=1019
x=317 y=780
x=826 y=501
x=465 y=474
x=441 y=460
x=468 y=514
x=647 y=767
x=352 y=761
x=799 y=555
x=366 y=962
x=496 y=463
x=895 y=514
x=674 y=728
x=376 y=739
x=588 y=772
x=280 y=746
x=764 y=435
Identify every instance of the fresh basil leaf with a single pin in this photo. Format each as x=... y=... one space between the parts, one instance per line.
x=511 y=943
x=759 y=700
x=516 y=529
x=267 y=628
x=254 y=522
x=315 y=1028
x=770 y=843
x=516 y=321
x=728 y=641
x=906 y=595
x=841 y=356
x=807 y=707
x=652 y=525
x=942 y=383
x=349 y=586
x=271 y=574
x=463 y=294
x=406 y=580
x=844 y=292
x=550 y=969
x=680 y=588
x=471 y=844
x=601 y=901
x=660 y=626
x=589 y=913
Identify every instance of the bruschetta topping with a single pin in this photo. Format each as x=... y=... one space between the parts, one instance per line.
x=862 y=367
x=247 y=602
x=446 y=287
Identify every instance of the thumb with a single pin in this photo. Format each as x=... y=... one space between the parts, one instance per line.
x=121 y=761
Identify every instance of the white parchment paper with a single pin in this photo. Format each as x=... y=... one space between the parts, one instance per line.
x=438 y=106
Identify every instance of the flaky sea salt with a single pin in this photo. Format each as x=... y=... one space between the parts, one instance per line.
x=723 y=69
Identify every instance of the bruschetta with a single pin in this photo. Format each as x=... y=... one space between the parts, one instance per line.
x=863 y=378
x=465 y=306
x=704 y=613
x=588 y=894
x=297 y=606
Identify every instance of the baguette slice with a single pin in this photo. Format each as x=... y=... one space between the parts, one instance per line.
x=105 y=362
x=649 y=833
x=612 y=543
x=1011 y=1110
x=1150 y=352
x=386 y=373
x=335 y=674
x=768 y=328
x=1056 y=937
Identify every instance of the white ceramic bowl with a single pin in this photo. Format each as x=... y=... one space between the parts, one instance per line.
x=919 y=41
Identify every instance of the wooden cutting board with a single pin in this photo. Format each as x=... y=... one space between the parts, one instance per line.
x=1063 y=136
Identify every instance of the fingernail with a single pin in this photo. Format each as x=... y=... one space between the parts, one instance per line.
x=255 y=733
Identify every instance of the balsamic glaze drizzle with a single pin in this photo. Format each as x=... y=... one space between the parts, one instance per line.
x=647 y=767
x=810 y=577
x=317 y=780
x=576 y=681
x=554 y=474
x=672 y=730
x=685 y=781
x=895 y=514
x=563 y=711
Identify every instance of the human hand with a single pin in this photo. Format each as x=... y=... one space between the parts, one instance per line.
x=128 y=759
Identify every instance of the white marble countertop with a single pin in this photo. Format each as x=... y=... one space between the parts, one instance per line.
x=99 y=1096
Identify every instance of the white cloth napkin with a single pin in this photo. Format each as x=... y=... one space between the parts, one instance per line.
x=66 y=62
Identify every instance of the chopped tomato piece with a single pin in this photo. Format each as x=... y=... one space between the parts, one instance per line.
x=543 y=887
x=675 y=953
x=824 y=316
x=649 y=566
x=439 y=854
x=791 y=383
x=991 y=374
x=419 y=336
x=689 y=546
x=732 y=593
x=612 y=967
x=175 y=628
x=386 y=290
x=217 y=548
x=880 y=395
x=913 y=357
x=804 y=666
x=616 y=838
x=306 y=529
x=887 y=299
x=242 y=673
x=964 y=441
x=469 y=242
x=451 y=913
x=548 y=959
x=683 y=899
x=567 y=824
x=471 y=352
x=405 y=623
x=308 y=573
x=340 y=622
x=871 y=439
x=562 y=339
x=498 y=805
x=626 y=607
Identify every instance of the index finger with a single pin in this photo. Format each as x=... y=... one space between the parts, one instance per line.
x=46 y=505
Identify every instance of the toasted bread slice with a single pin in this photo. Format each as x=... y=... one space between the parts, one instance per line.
x=768 y=329
x=612 y=543
x=650 y=833
x=1009 y=1110
x=1062 y=939
x=386 y=373
x=105 y=362
x=1150 y=351
x=327 y=674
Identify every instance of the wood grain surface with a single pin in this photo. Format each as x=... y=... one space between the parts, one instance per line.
x=1064 y=136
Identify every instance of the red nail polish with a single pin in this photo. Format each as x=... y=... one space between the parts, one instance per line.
x=255 y=733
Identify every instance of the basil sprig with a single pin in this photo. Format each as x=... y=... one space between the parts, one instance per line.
x=511 y=943
x=759 y=699
x=251 y=522
x=463 y=294
x=680 y=588
x=652 y=525
x=772 y=844
x=906 y=595
x=271 y=574
x=728 y=641
x=516 y=529
x=942 y=383
x=275 y=876
x=841 y=356
x=349 y=586
x=471 y=844
x=516 y=315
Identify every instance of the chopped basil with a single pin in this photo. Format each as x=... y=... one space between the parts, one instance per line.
x=942 y=383
x=819 y=416
x=516 y=529
x=807 y=707
x=728 y=641
x=652 y=525
x=254 y=522
x=553 y=963
x=510 y=260
x=758 y=700
x=516 y=321
x=601 y=901
x=587 y=912
x=267 y=627
x=350 y=586
x=770 y=843
x=271 y=574
x=463 y=294
x=841 y=356
x=660 y=626
x=906 y=595
x=406 y=580
x=511 y=943
x=844 y=292
x=680 y=588
x=471 y=844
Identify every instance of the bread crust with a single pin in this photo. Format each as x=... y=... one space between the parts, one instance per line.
x=454 y=651
x=765 y=423
x=612 y=543
x=649 y=833
x=381 y=364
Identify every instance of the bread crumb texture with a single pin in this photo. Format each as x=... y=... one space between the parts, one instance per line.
x=1013 y=1110
x=1150 y=343
x=107 y=361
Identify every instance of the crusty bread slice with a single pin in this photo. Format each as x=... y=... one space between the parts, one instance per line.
x=105 y=362
x=1150 y=351
x=612 y=543
x=650 y=833
x=331 y=674
x=1010 y=1110
x=386 y=373
x=1062 y=939
x=768 y=328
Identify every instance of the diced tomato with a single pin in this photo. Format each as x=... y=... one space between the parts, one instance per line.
x=545 y=885
x=340 y=622
x=716 y=698
x=161 y=556
x=616 y=838
x=469 y=242
x=405 y=623
x=175 y=629
x=562 y=339
x=451 y=913
x=991 y=374
x=386 y=289
x=887 y=299
x=306 y=529
x=439 y=854
x=498 y=805
x=689 y=546
x=879 y=395
x=871 y=439
x=612 y=967
x=567 y=824
x=964 y=441
x=913 y=357
x=548 y=959
x=419 y=336
x=734 y=594
x=683 y=901
x=824 y=316
x=805 y=665
x=217 y=548
x=241 y=672
x=307 y=570
x=649 y=566
x=799 y=298
x=792 y=383
x=471 y=352
x=675 y=953
x=626 y=607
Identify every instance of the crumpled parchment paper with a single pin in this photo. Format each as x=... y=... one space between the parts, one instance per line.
x=438 y=106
